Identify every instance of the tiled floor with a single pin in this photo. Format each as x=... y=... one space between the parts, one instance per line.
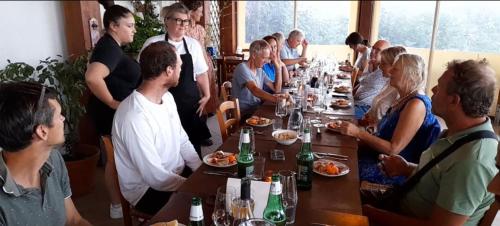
x=95 y=206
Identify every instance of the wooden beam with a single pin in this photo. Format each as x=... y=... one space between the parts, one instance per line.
x=228 y=26
x=365 y=16
x=76 y=25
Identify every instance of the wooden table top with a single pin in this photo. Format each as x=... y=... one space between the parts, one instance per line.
x=332 y=200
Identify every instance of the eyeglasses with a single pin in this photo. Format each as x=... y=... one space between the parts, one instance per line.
x=182 y=22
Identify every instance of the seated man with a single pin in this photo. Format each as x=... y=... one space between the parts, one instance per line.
x=370 y=83
x=33 y=176
x=151 y=147
x=249 y=80
x=289 y=54
x=454 y=192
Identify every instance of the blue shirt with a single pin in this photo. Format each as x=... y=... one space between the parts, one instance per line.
x=370 y=85
x=288 y=52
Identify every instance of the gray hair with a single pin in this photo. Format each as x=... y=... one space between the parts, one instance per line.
x=258 y=46
x=389 y=55
x=474 y=82
x=280 y=37
x=295 y=34
x=414 y=73
x=169 y=11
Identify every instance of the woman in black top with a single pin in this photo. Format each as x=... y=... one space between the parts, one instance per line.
x=111 y=76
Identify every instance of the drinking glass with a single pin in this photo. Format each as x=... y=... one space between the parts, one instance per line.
x=259 y=164
x=280 y=111
x=222 y=214
x=257 y=222
x=289 y=194
x=295 y=120
x=252 y=138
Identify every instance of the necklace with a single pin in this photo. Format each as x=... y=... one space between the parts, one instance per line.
x=401 y=101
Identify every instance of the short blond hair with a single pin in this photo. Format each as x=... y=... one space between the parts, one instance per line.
x=258 y=46
x=168 y=11
x=388 y=55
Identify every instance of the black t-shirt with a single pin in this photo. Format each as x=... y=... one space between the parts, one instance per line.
x=124 y=77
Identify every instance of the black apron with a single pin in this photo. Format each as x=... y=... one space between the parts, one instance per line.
x=186 y=96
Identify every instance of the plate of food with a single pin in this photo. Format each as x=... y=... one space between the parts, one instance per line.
x=334 y=125
x=341 y=103
x=220 y=159
x=344 y=76
x=342 y=89
x=285 y=137
x=330 y=168
x=259 y=121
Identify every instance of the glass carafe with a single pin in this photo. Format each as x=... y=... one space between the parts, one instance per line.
x=295 y=120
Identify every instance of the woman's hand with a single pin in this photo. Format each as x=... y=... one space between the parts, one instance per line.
x=349 y=129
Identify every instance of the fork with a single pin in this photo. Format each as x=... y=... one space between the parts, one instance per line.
x=329 y=157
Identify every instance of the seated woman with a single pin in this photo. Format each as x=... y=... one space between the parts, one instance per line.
x=360 y=45
x=389 y=94
x=408 y=128
x=275 y=67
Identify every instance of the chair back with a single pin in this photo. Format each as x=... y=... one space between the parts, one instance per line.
x=354 y=75
x=229 y=63
x=127 y=209
x=227 y=123
x=225 y=90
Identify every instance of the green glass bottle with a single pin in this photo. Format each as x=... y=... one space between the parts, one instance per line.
x=196 y=214
x=305 y=161
x=274 y=211
x=245 y=158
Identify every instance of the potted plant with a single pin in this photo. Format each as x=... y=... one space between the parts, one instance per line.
x=67 y=78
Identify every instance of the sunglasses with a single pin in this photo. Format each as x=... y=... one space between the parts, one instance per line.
x=182 y=22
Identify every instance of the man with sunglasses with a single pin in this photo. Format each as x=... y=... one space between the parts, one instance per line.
x=193 y=78
x=33 y=177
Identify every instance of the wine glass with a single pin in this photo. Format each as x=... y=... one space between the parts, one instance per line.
x=289 y=194
x=222 y=214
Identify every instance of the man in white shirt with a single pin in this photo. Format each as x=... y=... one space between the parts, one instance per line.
x=151 y=148
x=289 y=54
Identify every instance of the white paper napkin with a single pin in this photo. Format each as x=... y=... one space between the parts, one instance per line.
x=496 y=221
x=259 y=191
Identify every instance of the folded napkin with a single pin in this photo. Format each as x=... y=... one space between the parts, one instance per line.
x=259 y=191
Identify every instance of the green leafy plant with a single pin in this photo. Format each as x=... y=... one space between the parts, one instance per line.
x=66 y=77
x=146 y=27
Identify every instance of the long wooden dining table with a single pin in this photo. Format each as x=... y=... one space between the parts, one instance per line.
x=331 y=201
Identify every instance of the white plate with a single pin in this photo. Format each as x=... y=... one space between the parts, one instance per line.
x=343 y=168
x=206 y=160
x=285 y=142
x=269 y=122
x=334 y=103
x=331 y=129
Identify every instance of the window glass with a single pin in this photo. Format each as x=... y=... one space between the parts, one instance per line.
x=267 y=17
x=407 y=23
x=324 y=22
x=469 y=26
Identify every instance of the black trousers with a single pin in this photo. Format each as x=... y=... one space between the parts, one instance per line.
x=153 y=200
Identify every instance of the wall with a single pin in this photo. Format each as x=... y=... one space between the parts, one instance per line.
x=31 y=31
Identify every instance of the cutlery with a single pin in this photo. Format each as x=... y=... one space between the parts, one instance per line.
x=259 y=132
x=221 y=173
x=329 y=157
x=320 y=224
x=332 y=154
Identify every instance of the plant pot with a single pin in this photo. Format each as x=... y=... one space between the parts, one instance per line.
x=82 y=170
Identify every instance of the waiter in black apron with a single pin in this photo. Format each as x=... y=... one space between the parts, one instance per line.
x=187 y=96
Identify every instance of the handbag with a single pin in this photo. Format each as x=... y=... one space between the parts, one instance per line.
x=391 y=198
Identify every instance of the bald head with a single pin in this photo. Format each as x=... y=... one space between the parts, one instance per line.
x=377 y=48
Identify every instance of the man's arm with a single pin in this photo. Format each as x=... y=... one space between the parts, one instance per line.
x=73 y=217
x=256 y=91
x=204 y=85
x=294 y=61
x=439 y=217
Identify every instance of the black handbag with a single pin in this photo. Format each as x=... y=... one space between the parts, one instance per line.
x=391 y=198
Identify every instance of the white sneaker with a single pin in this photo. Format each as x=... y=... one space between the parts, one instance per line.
x=115 y=211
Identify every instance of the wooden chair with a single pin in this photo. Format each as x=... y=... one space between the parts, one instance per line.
x=229 y=63
x=354 y=75
x=226 y=122
x=128 y=210
x=225 y=90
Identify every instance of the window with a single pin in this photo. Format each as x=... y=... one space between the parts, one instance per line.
x=267 y=17
x=469 y=26
x=407 y=23
x=326 y=24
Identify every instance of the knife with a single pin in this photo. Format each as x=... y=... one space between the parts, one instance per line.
x=332 y=154
x=220 y=173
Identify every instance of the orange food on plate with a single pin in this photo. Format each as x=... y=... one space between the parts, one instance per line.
x=327 y=168
x=256 y=120
x=221 y=158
